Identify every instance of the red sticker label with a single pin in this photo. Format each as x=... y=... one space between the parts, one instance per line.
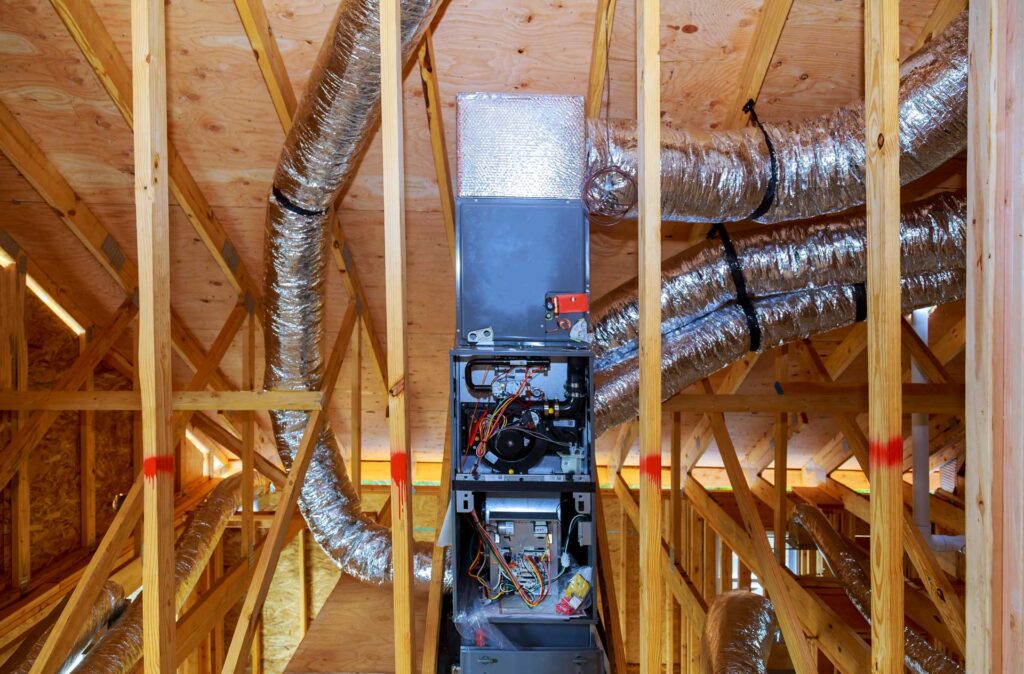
x=571 y=303
x=399 y=477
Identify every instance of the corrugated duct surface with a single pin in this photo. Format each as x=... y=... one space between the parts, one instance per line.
x=739 y=633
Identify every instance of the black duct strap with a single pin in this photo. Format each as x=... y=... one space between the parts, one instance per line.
x=742 y=298
x=773 y=179
x=294 y=208
x=860 y=298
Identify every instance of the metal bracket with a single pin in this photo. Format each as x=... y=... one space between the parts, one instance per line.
x=481 y=337
x=464 y=502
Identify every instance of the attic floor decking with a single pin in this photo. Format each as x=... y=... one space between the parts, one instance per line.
x=354 y=632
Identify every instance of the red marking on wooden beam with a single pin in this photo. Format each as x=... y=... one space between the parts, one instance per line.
x=399 y=479
x=650 y=468
x=152 y=465
x=887 y=454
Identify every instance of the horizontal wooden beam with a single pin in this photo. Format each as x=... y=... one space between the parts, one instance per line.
x=821 y=399
x=110 y=401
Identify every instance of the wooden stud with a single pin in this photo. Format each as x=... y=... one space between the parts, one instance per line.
x=648 y=79
x=885 y=423
x=612 y=606
x=944 y=13
x=58 y=645
x=87 y=454
x=356 y=416
x=303 y=582
x=675 y=530
x=438 y=144
x=21 y=524
x=149 y=87
x=995 y=368
x=397 y=380
x=603 y=22
x=725 y=567
x=248 y=532
x=759 y=56
x=247 y=627
x=710 y=564
x=781 y=444
x=772 y=575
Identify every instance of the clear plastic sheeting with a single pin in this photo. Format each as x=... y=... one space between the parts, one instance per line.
x=108 y=605
x=778 y=259
x=520 y=146
x=850 y=566
x=739 y=633
x=332 y=128
x=723 y=176
x=118 y=651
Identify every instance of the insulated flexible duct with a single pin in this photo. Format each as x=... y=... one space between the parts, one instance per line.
x=725 y=176
x=803 y=280
x=849 y=565
x=332 y=128
x=739 y=633
x=108 y=605
x=118 y=651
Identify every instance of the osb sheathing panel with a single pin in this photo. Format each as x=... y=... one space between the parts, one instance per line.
x=55 y=464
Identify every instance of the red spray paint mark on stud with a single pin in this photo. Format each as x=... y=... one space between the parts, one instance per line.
x=887 y=454
x=650 y=468
x=399 y=473
x=152 y=465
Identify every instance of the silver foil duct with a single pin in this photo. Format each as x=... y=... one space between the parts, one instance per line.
x=118 y=651
x=705 y=346
x=849 y=565
x=108 y=605
x=778 y=259
x=739 y=633
x=332 y=128
x=723 y=176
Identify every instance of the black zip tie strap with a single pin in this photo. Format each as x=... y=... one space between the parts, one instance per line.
x=860 y=299
x=294 y=208
x=773 y=161
x=742 y=298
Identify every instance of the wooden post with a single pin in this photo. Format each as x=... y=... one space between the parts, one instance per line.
x=397 y=381
x=781 y=445
x=995 y=367
x=149 y=86
x=885 y=422
x=87 y=454
x=248 y=537
x=649 y=244
x=675 y=541
x=356 y=422
x=17 y=378
x=303 y=580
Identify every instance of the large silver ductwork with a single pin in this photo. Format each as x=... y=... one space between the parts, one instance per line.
x=818 y=165
x=802 y=279
x=120 y=649
x=723 y=176
x=850 y=565
x=332 y=128
x=739 y=633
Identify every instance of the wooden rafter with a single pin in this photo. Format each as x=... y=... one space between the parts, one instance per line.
x=818 y=398
x=945 y=11
x=39 y=171
x=264 y=45
x=604 y=19
x=762 y=47
x=102 y=54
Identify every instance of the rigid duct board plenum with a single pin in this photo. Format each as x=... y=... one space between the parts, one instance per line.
x=849 y=565
x=120 y=649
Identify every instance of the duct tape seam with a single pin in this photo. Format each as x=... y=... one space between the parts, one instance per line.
x=738 y=280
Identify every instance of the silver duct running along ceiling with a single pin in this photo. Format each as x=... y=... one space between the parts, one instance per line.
x=722 y=177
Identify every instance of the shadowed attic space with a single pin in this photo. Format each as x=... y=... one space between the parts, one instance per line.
x=261 y=594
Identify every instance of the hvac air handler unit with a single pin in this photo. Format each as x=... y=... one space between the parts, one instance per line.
x=524 y=477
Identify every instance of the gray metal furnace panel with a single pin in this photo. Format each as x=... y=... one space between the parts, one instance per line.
x=587 y=660
x=512 y=254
